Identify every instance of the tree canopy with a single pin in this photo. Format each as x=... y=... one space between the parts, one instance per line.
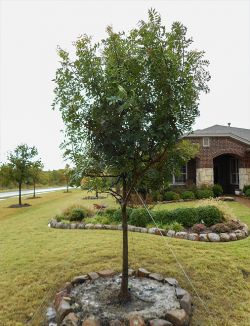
x=127 y=100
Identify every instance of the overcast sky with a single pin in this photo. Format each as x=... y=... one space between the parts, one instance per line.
x=31 y=30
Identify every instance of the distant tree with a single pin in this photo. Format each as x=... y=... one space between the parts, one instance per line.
x=67 y=175
x=19 y=164
x=98 y=184
x=35 y=174
x=125 y=103
x=5 y=176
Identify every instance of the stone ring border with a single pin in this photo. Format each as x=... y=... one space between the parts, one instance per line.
x=205 y=237
x=62 y=312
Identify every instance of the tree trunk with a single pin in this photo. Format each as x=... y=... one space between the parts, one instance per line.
x=34 y=190
x=96 y=193
x=67 y=186
x=20 y=193
x=124 y=295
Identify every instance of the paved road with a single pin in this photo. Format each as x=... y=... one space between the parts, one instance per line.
x=8 y=194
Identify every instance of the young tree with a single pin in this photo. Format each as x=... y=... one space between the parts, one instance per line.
x=35 y=174
x=20 y=161
x=67 y=175
x=125 y=103
x=97 y=184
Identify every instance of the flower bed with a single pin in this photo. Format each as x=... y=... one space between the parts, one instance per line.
x=207 y=235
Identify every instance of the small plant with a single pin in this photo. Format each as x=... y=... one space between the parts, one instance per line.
x=220 y=228
x=198 y=228
x=247 y=193
x=245 y=188
x=175 y=226
x=188 y=194
x=59 y=218
x=171 y=195
x=157 y=196
x=233 y=225
x=204 y=193
x=217 y=190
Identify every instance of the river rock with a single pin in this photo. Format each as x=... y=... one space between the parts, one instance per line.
x=193 y=236
x=63 y=310
x=70 y=320
x=224 y=237
x=171 y=281
x=89 y=226
x=106 y=273
x=178 y=317
x=93 y=275
x=116 y=322
x=181 y=235
x=156 y=277
x=213 y=237
x=79 y=279
x=171 y=233
x=91 y=322
x=159 y=322
x=232 y=236
x=142 y=272
x=180 y=292
x=203 y=237
x=186 y=303
x=240 y=234
x=136 y=321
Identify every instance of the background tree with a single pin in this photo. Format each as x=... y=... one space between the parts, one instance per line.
x=35 y=174
x=126 y=101
x=20 y=161
x=67 y=175
x=97 y=184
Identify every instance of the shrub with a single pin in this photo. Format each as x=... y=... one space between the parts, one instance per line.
x=233 y=225
x=157 y=196
x=198 y=228
x=177 y=227
x=76 y=213
x=186 y=216
x=117 y=215
x=187 y=195
x=163 y=216
x=247 y=193
x=109 y=212
x=217 y=190
x=59 y=218
x=171 y=195
x=220 y=228
x=139 y=217
x=204 y=193
x=245 y=188
x=209 y=215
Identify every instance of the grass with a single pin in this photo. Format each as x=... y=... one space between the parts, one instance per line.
x=36 y=261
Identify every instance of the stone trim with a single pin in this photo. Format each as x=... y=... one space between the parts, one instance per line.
x=207 y=237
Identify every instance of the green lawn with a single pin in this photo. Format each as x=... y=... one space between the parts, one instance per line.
x=35 y=261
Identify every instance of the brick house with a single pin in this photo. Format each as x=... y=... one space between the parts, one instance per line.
x=224 y=158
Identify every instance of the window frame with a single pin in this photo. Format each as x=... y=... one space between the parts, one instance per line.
x=204 y=144
x=180 y=183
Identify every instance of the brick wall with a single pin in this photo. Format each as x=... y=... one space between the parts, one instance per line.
x=219 y=146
